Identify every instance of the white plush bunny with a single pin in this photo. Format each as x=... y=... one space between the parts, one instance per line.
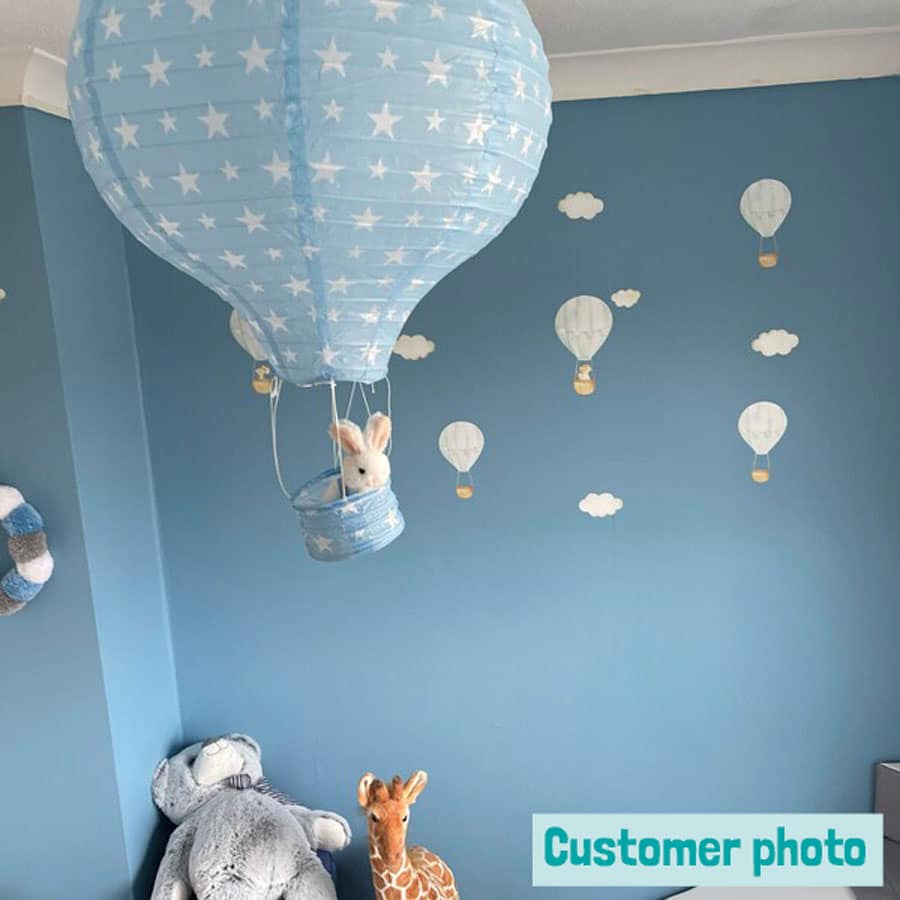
x=366 y=465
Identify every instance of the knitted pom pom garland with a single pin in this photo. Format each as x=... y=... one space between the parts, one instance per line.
x=28 y=549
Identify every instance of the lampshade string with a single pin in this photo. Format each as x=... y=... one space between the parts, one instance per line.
x=274 y=399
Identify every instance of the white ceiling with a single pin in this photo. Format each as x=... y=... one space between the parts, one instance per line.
x=579 y=26
x=569 y=26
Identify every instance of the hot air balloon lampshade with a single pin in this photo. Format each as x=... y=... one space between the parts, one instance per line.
x=583 y=324
x=765 y=205
x=461 y=444
x=762 y=425
x=320 y=164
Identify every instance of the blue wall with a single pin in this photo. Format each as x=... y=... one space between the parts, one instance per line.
x=717 y=646
x=91 y=703
x=60 y=806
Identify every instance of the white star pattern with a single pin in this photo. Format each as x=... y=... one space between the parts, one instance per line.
x=204 y=57
x=386 y=9
x=298 y=286
x=333 y=59
x=478 y=128
x=186 y=181
x=384 y=122
x=425 y=178
x=170 y=228
x=255 y=57
x=325 y=169
x=112 y=24
x=366 y=220
x=423 y=126
x=233 y=260
x=264 y=109
x=278 y=168
x=388 y=59
x=481 y=27
x=252 y=221
x=157 y=69
x=276 y=323
x=215 y=122
x=333 y=111
x=202 y=9
x=438 y=70
x=127 y=131
x=167 y=120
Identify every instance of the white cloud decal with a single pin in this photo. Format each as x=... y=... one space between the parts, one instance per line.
x=776 y=342
x=413 y=346
x=600 y=505
x=626 y=298
x=580 y=206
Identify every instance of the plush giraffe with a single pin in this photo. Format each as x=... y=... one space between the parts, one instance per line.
x=398 y=873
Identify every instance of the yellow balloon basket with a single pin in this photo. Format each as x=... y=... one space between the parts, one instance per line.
x=584 y=384
x=584 y=388
x=465 y=491
x=262 y=380
x=768 y=259
x=760 y=476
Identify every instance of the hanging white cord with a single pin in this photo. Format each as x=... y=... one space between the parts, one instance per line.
x=362 y=392
x=274 y=398
x=350 y=399
x=334 y=419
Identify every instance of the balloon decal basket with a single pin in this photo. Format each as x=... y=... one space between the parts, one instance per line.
x=584 y=384
x=465 y=491
x=263 y=380
x=768 y=259
x=339 y=529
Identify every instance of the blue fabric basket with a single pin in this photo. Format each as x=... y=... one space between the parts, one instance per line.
x=340 y=529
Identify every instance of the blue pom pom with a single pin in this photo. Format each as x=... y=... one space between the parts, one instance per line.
x=24 y=519
x=19 y=588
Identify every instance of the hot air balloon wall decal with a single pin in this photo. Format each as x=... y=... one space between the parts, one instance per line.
x=583 y=324
x=762 y=425
x=765 y=205
x=461 y=444
x=319 y=165
x=245 y=337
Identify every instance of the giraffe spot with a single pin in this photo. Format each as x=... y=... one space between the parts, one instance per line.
x=404 y=878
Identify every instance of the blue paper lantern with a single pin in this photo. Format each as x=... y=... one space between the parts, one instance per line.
x=319 y=163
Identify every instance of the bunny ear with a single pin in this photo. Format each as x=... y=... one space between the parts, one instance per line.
x=348 y=435
x=378 y=431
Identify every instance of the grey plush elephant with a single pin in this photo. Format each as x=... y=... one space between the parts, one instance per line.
x=237 y=839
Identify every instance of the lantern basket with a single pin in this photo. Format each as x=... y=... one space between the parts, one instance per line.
x=339 y=529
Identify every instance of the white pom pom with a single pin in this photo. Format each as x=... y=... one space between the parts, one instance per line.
x=10 y=498
x=37 y=570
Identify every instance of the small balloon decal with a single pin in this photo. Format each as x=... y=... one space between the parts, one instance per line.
x=776 y=342
x=2 y=295
x=600 y=506
x=762 y=425
x=764 y=206
x=583 y=324
x=580 y=206
x=626 y=298
x=461 y=444
x=413 y=346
